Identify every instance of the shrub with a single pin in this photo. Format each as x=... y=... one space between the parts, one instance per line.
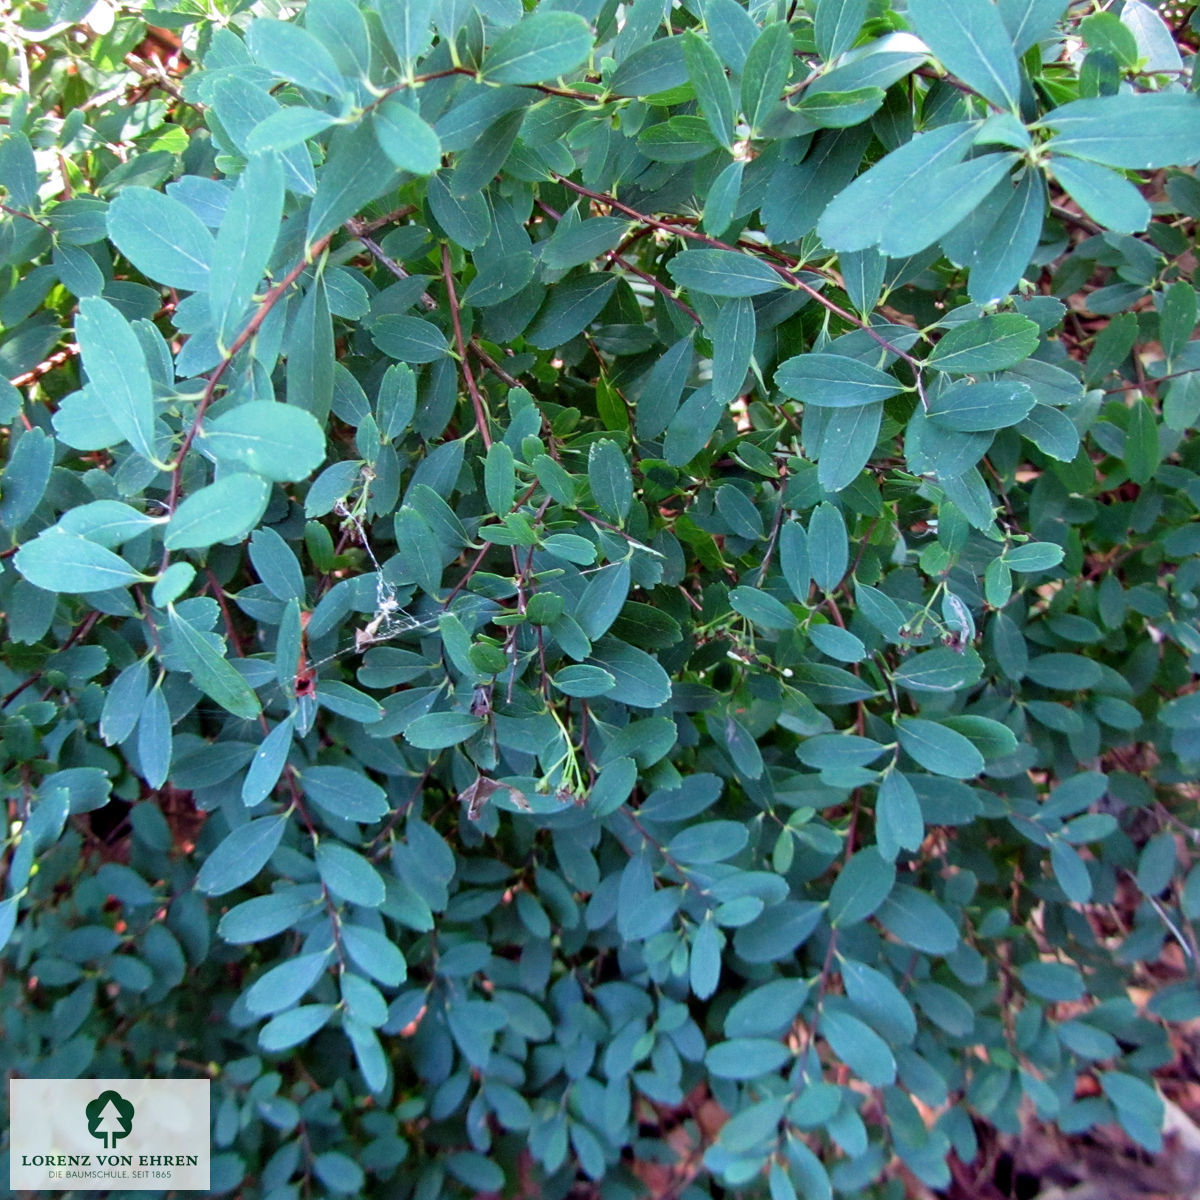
x=575 y=570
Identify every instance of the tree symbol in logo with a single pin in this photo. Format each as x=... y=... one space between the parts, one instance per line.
x=109 y=1117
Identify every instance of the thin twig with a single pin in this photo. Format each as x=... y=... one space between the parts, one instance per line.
x=481 y=420
x=255 y=323
x=785 y=273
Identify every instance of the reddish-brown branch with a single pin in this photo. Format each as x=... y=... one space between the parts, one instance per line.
x=255 y=323
x=481 y=421
x=784 y=272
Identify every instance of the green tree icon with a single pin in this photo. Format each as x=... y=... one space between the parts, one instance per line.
x=109 y=1117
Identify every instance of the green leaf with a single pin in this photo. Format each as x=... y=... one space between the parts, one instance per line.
x=603 y=599
x=969 y=38
x=746 y=1058
x=939 y=670
x=834 y=381
x=116 y=367
x=692 y=426
x=704 y=962
x=154 y=738
x=210 y=670
x=859 y=1047
x=889 y=205
x=162 y=237
x=708 y=842
x=663 y=389
x=610 y=479
x=828 y=547
x=18 y=172
x=31 y=457
x=280 y=442
x=1177 y=318
x=570 y=308
x=267 y=764
x=1071 y=871
x=1060 y=983
x=1139 y=1107
x=641 y=680
x=63 y=562
x=768 y=65
x=406 y=139
x=356 y=171
x=340 y=28
x=373 y=952
x=241 y=855
x=574 y=245
x=263 y=917
x=245 y=242
x=294 y=54
x=1052 y=432
x=1139 y=132
x=970 y=407
x=899 y=823
x=861 y=886
x=733 y=346
x=287 y=127
x=407 y=27
x=226 y=509
x=437 y=731
x=840 y=110
x=938 y=748
x=1000 y=259
x=723 y=273
x=1108 y=198
x=500 y=478
x=344 y=793
x=1142 y=454
x=655 y=67
x=292 y=1028
x=348 y=875
x=540 y=47
x=917 y=919
x=837 y=24
x=583 y=681
x=1033 y=557
x=1028 y=21
x=989 y=343
x=409 y=339
x=793 y=559
x=310 y=354
x=283 y=985
x=707 y=77
x=762 y=608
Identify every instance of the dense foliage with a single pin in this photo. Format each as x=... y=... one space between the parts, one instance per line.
x=569 y=571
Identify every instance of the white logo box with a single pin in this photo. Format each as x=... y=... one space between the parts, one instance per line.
x=130 y=1135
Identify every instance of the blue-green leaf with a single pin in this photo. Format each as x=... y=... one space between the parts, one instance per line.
x=294 y=54
x=542 y=46
x=861 y=886
x=209 y=668
x=723 y=273
x=162 y=237
x=834 y=381
x=245 y=242
x=241 y=856
x=62 y=562
x=116 y=367
x=1105 y=196
x=1140 y=132
x=228 y=508
x=279 y=442
x=406 y=139
x=970 y=39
